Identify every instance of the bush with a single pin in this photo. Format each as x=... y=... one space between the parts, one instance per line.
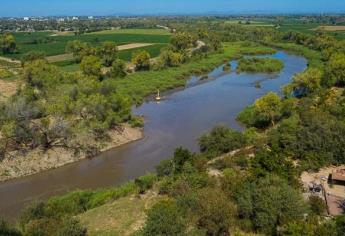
x=71 y=227
x=165 y=168
x=5 y=74
x=7 y=230
x=145 y=182
x=214 y=212
x=317 y=205
x=221 y=140
x=262 y=65
x=164 y=218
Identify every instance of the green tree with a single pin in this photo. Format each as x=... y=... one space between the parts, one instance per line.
x=80 y=50
x=141 y=60
x=171 y=59
x=306 y=82
x=221 y=140
x=118 y=68
x=214 y=212
x=8 y=44
x=164 y=219
x=182 y=41
x=108 y=52
x=33 y=56
x=269 y=106
x=275 y=203
x=335 y=70
x=91 y=66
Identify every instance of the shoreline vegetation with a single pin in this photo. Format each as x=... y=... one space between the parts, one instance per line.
x=39 y=160
x=259 y=65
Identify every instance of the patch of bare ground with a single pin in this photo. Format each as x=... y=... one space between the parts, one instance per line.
x=214 y=172
x=331 y=28
x=37 y=160
x=7 y=89
x=60 y=57
x=333 y=194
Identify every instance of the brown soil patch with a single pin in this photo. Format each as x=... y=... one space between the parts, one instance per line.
x=38 y=160
x=60 y=57
x=7 y=89
x=332 y=28
x=133 y=45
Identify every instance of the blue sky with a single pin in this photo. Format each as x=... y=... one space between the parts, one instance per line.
x=107 y=7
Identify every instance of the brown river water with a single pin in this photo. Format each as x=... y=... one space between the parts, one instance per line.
x=178 y=120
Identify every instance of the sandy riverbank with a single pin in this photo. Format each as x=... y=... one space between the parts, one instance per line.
x=38 y=160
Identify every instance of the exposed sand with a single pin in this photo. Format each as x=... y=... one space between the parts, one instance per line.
x=37 y=160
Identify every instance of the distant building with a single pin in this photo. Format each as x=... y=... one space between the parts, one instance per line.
x=75 y=18
x=338 y=177
x=90 y=17
x=26 y=18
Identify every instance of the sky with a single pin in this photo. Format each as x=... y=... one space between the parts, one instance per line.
x=10 y=8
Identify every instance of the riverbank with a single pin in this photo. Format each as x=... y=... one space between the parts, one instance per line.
x=39 y=160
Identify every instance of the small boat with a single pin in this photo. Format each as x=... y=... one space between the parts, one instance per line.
x=158 y=97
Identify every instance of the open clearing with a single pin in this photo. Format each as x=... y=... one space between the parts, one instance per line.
x=122 y=217
x=7 y=89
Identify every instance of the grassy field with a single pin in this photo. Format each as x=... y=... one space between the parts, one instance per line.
x=55 y=45
x=122 y=217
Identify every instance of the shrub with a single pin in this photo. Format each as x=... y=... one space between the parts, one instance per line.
x=164 y=218
x=165 y=168
x=221 y=140
x=317 y=205
x=262 y=65
x=7 y=230
x=71 y=227
x=214 y=212
x=145 y=182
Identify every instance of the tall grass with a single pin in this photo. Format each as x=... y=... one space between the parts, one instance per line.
x=141 y=84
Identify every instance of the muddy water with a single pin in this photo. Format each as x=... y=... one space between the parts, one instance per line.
x=176 y=121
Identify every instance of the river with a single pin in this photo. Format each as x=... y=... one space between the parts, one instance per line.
x=178 y=120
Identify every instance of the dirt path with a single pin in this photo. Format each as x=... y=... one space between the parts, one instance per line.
x=10 y=60
x=69 y=56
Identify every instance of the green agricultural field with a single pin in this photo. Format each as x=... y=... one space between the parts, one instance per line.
x=54 y=45
x=134 y=31
x=303 y=28
x=126 y=55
